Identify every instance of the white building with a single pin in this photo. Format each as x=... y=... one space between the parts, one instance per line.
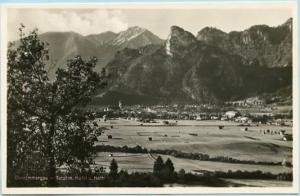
x=231 y=114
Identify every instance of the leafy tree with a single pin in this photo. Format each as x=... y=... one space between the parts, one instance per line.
x=168 y=170
x=169 y=166
x=113 y=169
x=158 y=166
x=181 y=172
x=43 y=115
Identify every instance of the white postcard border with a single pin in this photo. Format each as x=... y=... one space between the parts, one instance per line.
x=173 y=190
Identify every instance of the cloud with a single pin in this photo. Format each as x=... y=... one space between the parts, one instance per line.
x=85 y=22
x=97 y=20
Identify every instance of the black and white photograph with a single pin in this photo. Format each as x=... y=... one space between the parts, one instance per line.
x=149 y=98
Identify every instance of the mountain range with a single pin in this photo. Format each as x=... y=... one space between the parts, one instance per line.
x=260 y=44
x=211 y=67
x=66 y=45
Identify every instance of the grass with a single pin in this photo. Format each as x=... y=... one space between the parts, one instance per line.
x=230 y=141
x=260 y=183
x=206 y=138
x=144 y=163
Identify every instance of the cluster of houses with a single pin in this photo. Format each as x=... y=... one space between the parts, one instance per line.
x=138 y=112
x=147 y=114
x=236 y=117
x=249 y=102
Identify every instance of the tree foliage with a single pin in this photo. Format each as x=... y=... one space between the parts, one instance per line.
x=158 y=166
x=43 y=117
x=165 y=171
x=113 y=169
x=169 y=166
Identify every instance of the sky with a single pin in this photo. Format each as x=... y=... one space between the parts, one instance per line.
x=158 y=21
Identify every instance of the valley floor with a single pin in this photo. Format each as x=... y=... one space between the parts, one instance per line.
x=198 y=137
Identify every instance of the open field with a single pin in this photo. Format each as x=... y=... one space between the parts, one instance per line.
x=202 y=137
x=260 y=183
x=198 y=137
x=144 y=163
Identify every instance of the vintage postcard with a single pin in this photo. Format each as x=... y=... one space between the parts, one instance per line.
x=149 y=98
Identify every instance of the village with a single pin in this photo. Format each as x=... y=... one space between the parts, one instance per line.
x=246 y=113
x=199 y=138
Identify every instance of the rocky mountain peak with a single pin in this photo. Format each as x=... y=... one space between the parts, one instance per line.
x=135 y=37
x=209 y=34
x=136 y=29
x=176 y=29
x=128 y=34
x=288 y=23
x=259 y=44
x=178 y=39
x=211 y=30
x=180 y=33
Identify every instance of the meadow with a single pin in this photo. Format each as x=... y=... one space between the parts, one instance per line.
x=191 y=136
x=144 y=163
x=202 y=137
